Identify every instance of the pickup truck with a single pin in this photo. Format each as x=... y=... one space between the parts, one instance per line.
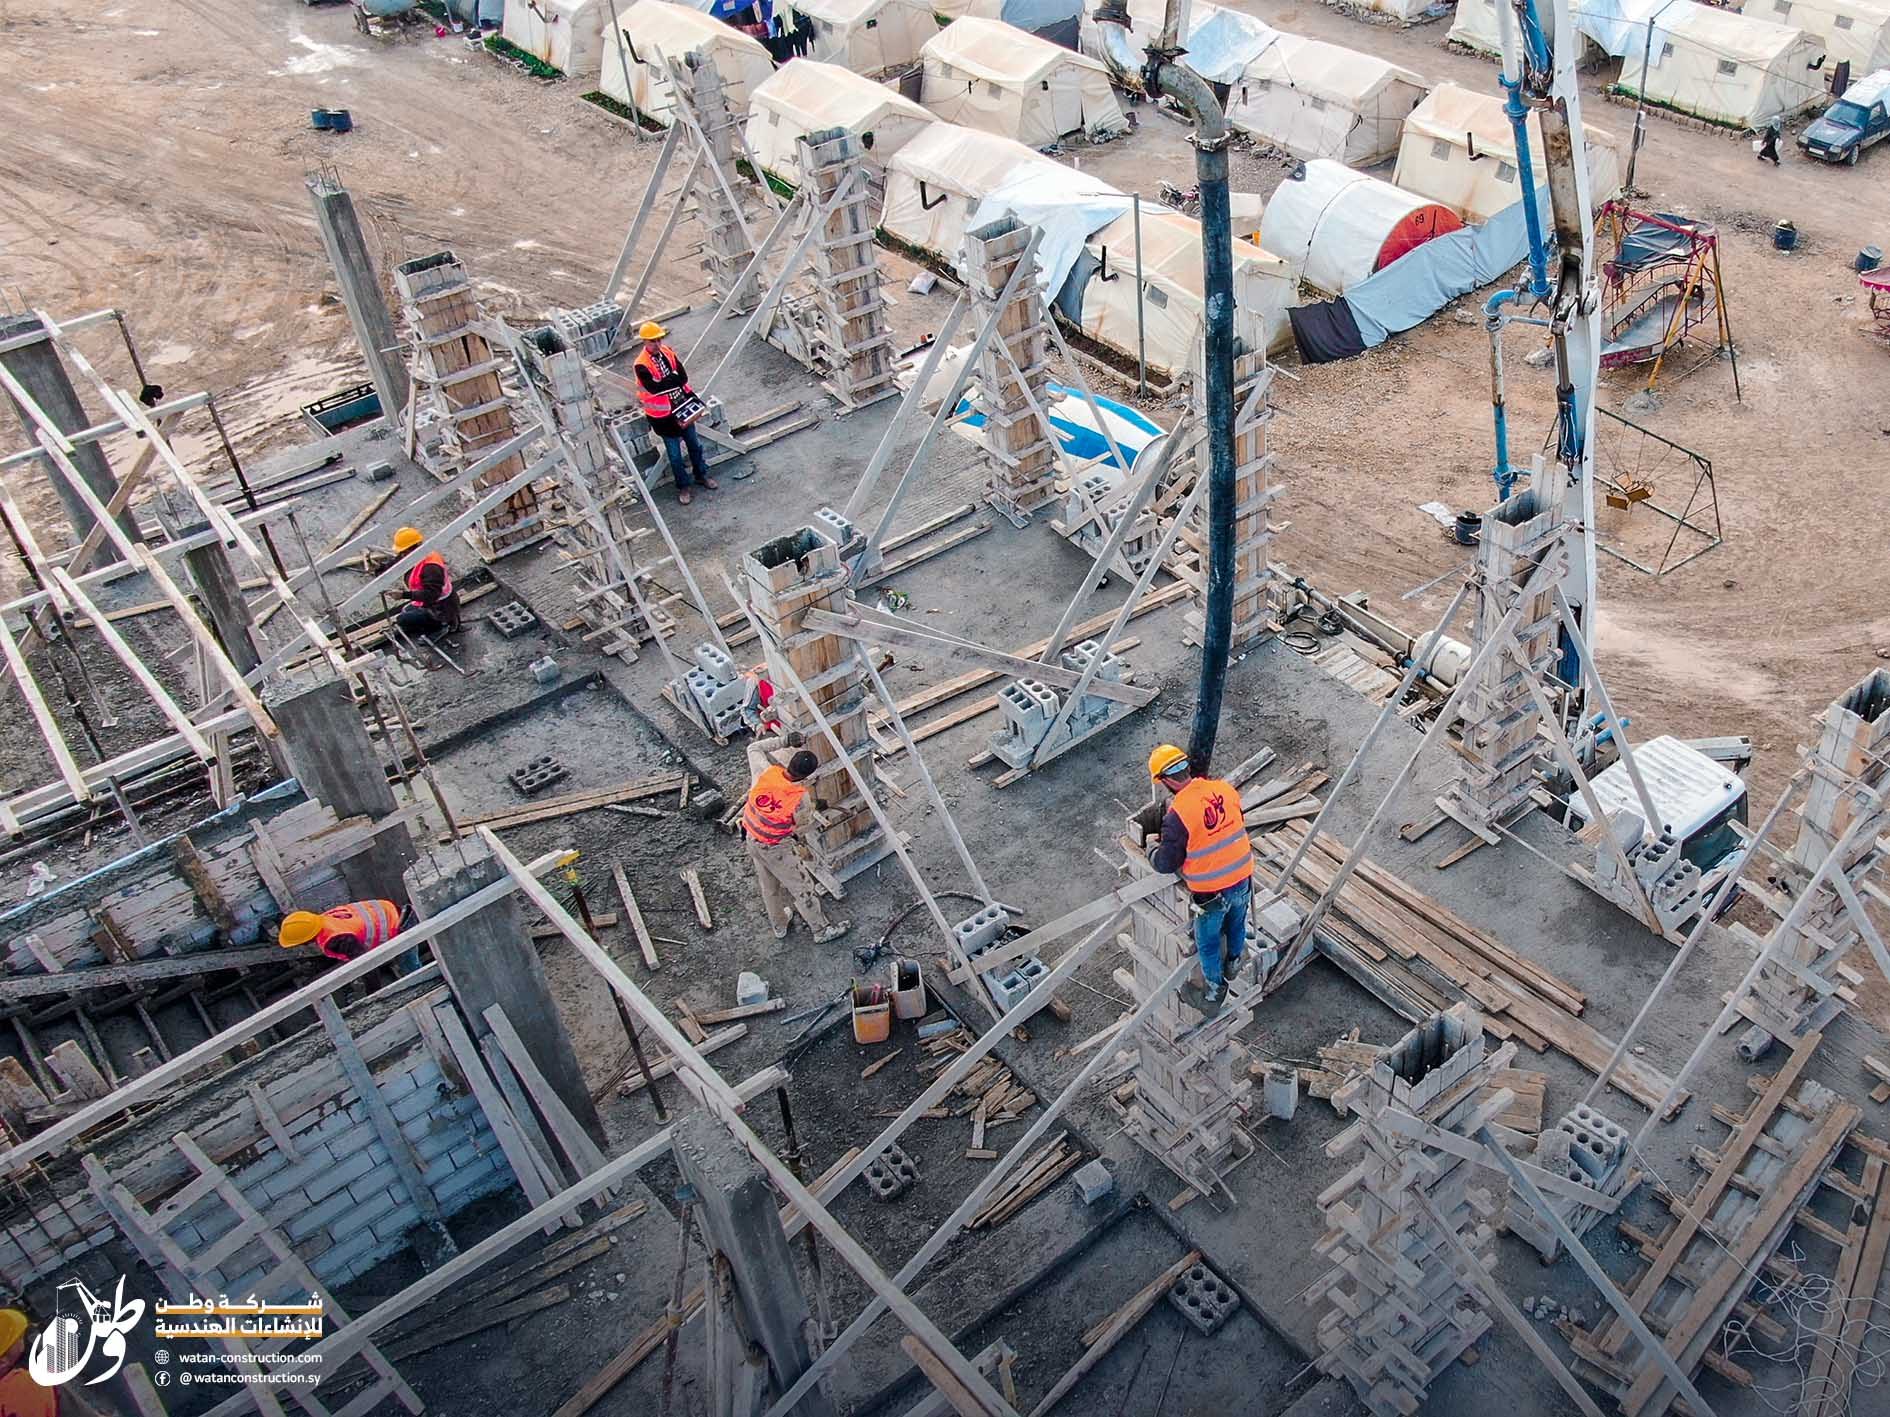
x=1858 y=119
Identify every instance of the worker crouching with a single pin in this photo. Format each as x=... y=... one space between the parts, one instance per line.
x=770 y=818
x=433 y=603
x=348 y=931
x=1204 y=841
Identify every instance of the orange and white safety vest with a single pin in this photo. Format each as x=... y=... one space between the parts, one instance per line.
x=768 y=816
x=659 y=363
x=373 y=922
x=432 y=558
x=1219 y=854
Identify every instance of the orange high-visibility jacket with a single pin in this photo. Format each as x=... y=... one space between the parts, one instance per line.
x=432 y=558
x=373 y=922
x=661 y=364
x=768 y=816
x=1219 y=854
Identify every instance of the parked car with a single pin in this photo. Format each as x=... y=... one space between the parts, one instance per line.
x=1858 y=119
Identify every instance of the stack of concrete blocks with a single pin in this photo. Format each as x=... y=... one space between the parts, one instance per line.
x=1585 y=1147
x=851 y=338
x=728 y=244
x=1029 y=709
x=1501 y=750
x=595 y=535
x=1670 y=882
x=714 y=684
x=983 y=930
x=1806 y=982
x=590 y=329
x=1192 y=1087
x=460 y=383
x=1087 y=507
x=1400 y=1309
x=1254 y=587
x=1013 y=372
x=782 y=580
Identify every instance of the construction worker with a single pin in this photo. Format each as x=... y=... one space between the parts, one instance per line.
x=434 y=607
x=348 y=931
x=1204 y=841
x=672 y=408
x=769 y=819
x=758 y=694
x=20 y=1395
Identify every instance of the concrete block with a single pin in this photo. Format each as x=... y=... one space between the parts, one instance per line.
x=890 y=1174
x=355 y=1139
x=313 y=1218
x=978 y=932
x=1093 y=1182
x=269 y=1163
x=1203 y=1298
x=350 y=1258
x=750 y=988
x=537 y=774
x=512 y=618
x=294 y=1177
x=378 y=471
x=363 y=1214
x=466 y=1179
x=339 y=1175
x=415 y=1104
x=545 y=670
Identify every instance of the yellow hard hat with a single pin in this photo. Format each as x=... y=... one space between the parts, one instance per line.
x=298 y=928
x=1165 y=760
x=13 y=1326
x=651 y=330
x=406 y=539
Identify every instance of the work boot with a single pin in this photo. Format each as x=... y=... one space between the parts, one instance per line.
x=832 y=932
x=685 y=496
x=781 y=931
x=710 y=483
x=1212 y=996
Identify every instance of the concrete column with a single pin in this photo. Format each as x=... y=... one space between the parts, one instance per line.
x=361 y=293
x=490 y=959
x=221 y=592
x=42 y=374
x=741 y=1218
x=335 y=760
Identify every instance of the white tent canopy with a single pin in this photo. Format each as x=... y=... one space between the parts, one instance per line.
x=1706 y=62
x=1435 y=161
x=566 y=34
x=990 y=75
x=656 y=33
x=1321 y=100
x=1856 y=32
x=869 y=36
x=1054 y=20
x=1173 y=310
x=803 y=97
x=1221 y=43
x=1475 y=27
x=1334 y=227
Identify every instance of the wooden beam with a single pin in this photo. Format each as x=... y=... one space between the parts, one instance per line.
x=573 y=1140
x=167 y=706
x=42 y=716
x=1116 y=1327
x=629 y=900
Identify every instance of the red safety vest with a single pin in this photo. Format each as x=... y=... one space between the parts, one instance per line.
x=1219 y=854
x=659 y=363
x=768 y=816
x=373 y=922
x=432 y=558
x=20 y=1396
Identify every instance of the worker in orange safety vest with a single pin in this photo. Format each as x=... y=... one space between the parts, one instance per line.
x=769 y=819
x=348 y=931
x=1204 y=841
x=672 y=408
x=20 y=1394
x=433 y=604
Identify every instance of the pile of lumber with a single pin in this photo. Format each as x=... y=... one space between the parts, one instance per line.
x=574 y=802
x=1283 y=799
x=1347 y=1058
x=992 y=1094
x=1418 y=957
x=1034 y=1174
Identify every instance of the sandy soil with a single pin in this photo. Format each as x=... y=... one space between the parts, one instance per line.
x=155 y=161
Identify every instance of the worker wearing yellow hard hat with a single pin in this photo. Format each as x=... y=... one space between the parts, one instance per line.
x=673 y=409
x=1204 y=841
x=347 y=931
x=432 y=602
x=20 y=1395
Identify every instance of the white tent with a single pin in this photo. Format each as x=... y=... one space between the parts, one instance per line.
x=1852 y=31
x=1334 y=226
x=1054 y=20
x=1221 y=43
x=1435 y=161
x=1173 y=310
x=869 y=36
x=806 y=97
x=990 y=75
x=1321 y=100
x=1475 y=27
x=1706 y=62
x=947 y=178
x=566 y=34
x=1410 y=11
x=656 y=33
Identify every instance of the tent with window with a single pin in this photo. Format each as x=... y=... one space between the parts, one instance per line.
x=803 y=97
x=1708 y=63
x=1854 y=32
x=654 y=34
x=1459 y=151
x=1103 y=288
x=1334 y=227
x=869 y=36
x=1322 y=100
x=989 y=75
x=566 y=34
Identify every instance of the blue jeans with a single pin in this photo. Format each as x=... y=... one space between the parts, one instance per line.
x=1222 y=927
x=674 y=447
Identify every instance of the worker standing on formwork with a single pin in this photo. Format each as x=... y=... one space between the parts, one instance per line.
x=769 y=818
x=433 y=603
x=1204 y=840
x=672 y=407
x=348 y=931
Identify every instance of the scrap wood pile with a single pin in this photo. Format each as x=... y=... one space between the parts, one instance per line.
x=1345 y=1059
x=1035 y=1174
x=1419 y=958
x=1282 y=799
x=993 y=1095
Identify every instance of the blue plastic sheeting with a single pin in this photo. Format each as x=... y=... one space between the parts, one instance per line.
x=1055 y=20
x=1423 y=281
x=1076 y=429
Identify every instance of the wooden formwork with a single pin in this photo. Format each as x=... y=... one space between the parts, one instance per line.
x=727 y=246
x=852 y=337
x=1254 y=609
x=1013 y=372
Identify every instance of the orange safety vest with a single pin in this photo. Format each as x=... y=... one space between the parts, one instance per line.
x=768 y=816
x=660 y=364
x=20 y=1396
x=1219 y=854
x=432 y=558
x=374 y=922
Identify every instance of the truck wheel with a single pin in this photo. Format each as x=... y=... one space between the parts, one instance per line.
x=1850 y=158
